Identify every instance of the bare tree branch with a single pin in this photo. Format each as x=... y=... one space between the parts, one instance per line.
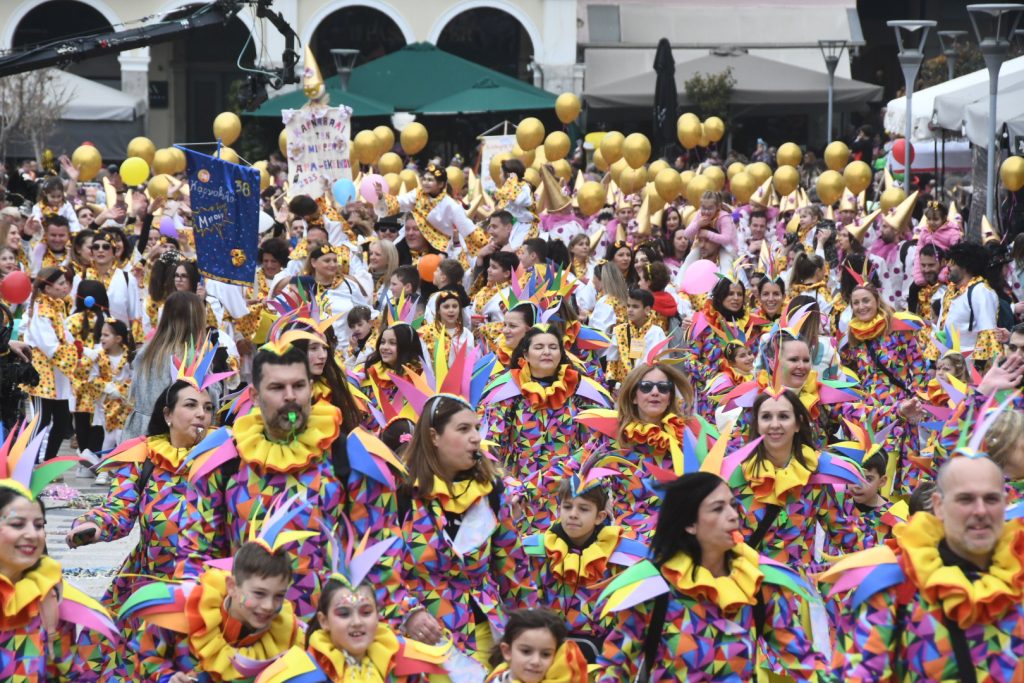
x=31 y=106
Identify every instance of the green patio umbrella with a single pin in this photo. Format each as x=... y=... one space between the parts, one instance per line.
x=485 y=96
x=360 y=104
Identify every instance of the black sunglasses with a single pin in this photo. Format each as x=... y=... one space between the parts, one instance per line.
x=102 y=246
x=647 y=386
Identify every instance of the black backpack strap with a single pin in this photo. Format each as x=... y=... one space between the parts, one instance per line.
x=895 y=640
x=771 y=513
x=653 y=636
x=339 y=459
x=885 y=370
x=970 y=305
x=760 y=614
x=964 y=661
x=145 y=472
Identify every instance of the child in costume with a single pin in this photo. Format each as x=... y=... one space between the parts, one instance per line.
x=85 y=326
x=535 y=649
x=575 y=559
x=448 y=331
x=634 y=338
x=112 y=375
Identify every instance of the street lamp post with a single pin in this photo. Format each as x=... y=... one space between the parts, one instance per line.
x=831 y=50
x=999 y=21
x=910 y=59
x=344 y=60
x=949 y=40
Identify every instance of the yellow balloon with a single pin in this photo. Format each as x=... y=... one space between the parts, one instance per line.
x=704 y=141
x=158 y=186
x=685 y=177
x=830 y=186
x=591 y=197
x=143 y=148
x=689 y=117
x=495 y=167
x=556 y=145
x=734 y=168
x=789 y=154
x=409 y=178
x=760 y=171
x=632 y=179
x=611 y=146
x=88 y=161
x=179 y=159
x=742 y=185
x=567 y=107
x=385 y=138
x=636 y=150
x=599 y=161
x=394 y=182
x=617 y=168
x=163 y=161
x=837 y=154
x=413 y=138
x=786 y=180
x=365 y=147
x=227 y=154
x=716 y=175
x=390 y=163
x=530 y=133
x=456 y=178
x=227 y=127
x=891 y=197
x=134 y=171
x=654 y=168
x=282 y=143
x=264 y=179
x=857 y=175
x=1012 y=173
x=532 y=176
x=696 y=188
x=668 y=184
x=562 y=169
x=526 y=157
x=715 y=128
x=688 y=130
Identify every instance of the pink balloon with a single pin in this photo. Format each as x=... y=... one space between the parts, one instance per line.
x=700 y=277
x=368 y=187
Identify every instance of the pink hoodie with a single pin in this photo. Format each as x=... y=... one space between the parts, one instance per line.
x=722 y=233
x=947 y=235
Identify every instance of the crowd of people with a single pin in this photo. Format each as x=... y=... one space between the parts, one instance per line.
x=441 y=439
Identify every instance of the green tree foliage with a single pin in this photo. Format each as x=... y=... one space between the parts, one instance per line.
x=709 y=94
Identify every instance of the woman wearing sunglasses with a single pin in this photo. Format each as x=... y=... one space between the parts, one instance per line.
x=122 y=288
x=646 y=429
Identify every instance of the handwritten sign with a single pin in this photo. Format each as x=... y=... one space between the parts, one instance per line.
x=225 y=217
x=318 y=147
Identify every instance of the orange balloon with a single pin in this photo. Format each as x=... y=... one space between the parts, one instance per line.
x=427 y=265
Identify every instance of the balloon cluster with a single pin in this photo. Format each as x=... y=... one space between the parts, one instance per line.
x=694 y=133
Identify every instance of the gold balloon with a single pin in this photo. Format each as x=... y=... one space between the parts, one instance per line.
x=567 y=107
x=163 y=161
x=599 y=161
x=636 y=150
x=1011 y=172
x=413 y=138
x=556 y=145
x=365 y=147
x=696 y=188
x=617 y=168
x=282 y=143
x=495 y=166
x=734 y=168
x=158 y=186
x=385 y=138
x=611 y=146
x=789 y=154
x=742 y=186
x=704 y=141
x=685 y=177
x=562 y=169
x=456 y=178
x=390 y=163
x=226 y=154
x=530 y=133
x=715 y=128
x=143 y=148
x=857 y=175
x=668 y=184
x=264 y=179
x=394 y=182
x=654 y=168
x=688 y=130
x=88 y=161
x=632 y=179
x=409 y=178
x=716 y=175
x=837 y=154
x=760 y=171
x=786 y=179
x=891 y=197
x=830 y=186
x=227 y=127
x=179 y=159
x=527 y=157
x=532 y=176
x=591 y=197
x=688 y=117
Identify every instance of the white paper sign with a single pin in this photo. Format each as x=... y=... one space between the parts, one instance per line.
x=318 y=147
x=489 y=146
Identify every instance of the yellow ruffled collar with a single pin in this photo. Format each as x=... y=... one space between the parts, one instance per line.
x=162 y=453
x=553 y=395
x=866 y=331
x=19 y=602
x=322 y=428
x=772 y=484
x=335 y=662
x=321 y=392
x=666 y=436
x=967 y=602
x=207 y=623
x=568 y=666
x=731 y=592
x=461 y=495
x=586 y=566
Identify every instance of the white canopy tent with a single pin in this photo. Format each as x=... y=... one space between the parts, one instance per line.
x=1009 y=112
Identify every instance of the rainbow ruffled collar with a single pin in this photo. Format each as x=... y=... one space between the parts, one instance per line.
x=553 y=395
x=586 y=566
x=866 y=331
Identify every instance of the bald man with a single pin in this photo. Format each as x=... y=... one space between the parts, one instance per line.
x=918 y=618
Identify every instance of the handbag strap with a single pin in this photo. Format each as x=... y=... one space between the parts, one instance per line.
x=771 y=513
x=886 y=371
x=964 y=662
x=653 y=636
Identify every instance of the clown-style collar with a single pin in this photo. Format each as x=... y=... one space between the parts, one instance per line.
x=321 y=391
x=568 y=666
x=774 y=485
x=967 y=602
x=660 y=435
x=552 y=396
x=341 y=666
x=322 y=428
x=731 y=592
x=586 y=565
x=213 y=635
x=163 y=454
x=809 y=392
x=19 y=602
x=461 y=495
x=866 y=331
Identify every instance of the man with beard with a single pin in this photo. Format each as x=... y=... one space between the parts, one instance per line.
x=924 y=300
x=970 y=304
x=949 y=606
